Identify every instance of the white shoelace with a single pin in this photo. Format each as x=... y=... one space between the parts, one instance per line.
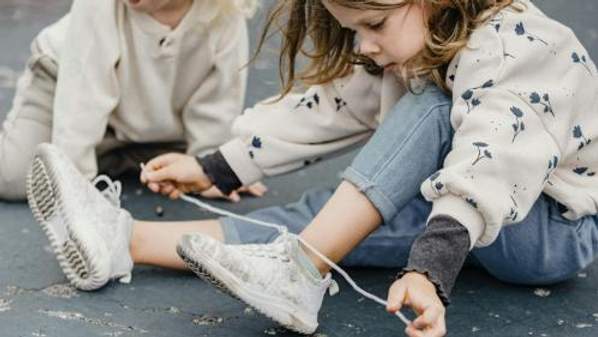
x=112 y=191
x=283 y=231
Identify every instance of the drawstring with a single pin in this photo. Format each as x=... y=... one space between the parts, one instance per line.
x=283 y=231
x=112 y=191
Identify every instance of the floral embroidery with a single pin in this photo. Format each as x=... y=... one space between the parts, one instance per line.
x=544 y=100
x=521 y=31
x=518 y=126
x=468 y=96
x=483 y=152
x=583 y=60
x=309 y=101
x=340 y=103
x=578 y=134
x=552 y=165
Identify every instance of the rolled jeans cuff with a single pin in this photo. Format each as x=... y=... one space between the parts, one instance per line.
x=373 y=192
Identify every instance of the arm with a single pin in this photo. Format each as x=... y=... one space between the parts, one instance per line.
x=210 y=112
x=501 y=148
x=87 y=88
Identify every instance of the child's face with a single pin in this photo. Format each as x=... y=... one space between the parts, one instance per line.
x=389 y=37
x=151 y=6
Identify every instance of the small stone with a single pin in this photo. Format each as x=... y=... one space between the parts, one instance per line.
x=174 y=310
x=270 y=331
x=138 y=192
x=582 y=275
x=207 y=320
x=531 y=333
x=560 y=322
x=583 y=325
x=540 y=292
x=475 y=329
x=248 y=311
x=159 y=211
x=595 y=315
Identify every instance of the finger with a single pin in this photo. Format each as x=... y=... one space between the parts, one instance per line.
x=175 y=194
x=234 y=197
x=154 y=187
x=439 y=330
x=167 y=188
x=159 y=162
x=258 y=190
x=428 y=318
x=213 y=192
x=396 y=297
x=411 y=331
x=161 y=174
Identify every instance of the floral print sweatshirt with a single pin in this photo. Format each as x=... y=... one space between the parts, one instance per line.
x=525 y=115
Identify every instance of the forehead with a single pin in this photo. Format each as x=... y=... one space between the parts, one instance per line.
x=349 y=17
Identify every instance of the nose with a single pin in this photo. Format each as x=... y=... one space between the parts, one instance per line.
x=368 y=47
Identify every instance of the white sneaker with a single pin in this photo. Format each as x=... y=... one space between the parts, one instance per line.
x=87 y=229
x=267 y=277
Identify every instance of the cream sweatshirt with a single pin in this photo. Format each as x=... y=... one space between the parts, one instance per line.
x=525 y=115
x=150 y=83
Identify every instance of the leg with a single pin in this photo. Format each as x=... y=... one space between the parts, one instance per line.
x=154 y=243
x=544 y=248
x=409 y=146
x=28 y=124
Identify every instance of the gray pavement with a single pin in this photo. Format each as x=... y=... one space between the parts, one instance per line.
x=35 y=299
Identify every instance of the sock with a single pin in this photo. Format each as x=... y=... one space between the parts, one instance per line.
x=306 y=262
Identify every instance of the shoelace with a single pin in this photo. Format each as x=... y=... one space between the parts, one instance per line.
x=283 y=231
x=112 y=191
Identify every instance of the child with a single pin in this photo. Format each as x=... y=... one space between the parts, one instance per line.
x=125 y=80
x=515 y=146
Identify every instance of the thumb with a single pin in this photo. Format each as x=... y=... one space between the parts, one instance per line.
x=396 y=297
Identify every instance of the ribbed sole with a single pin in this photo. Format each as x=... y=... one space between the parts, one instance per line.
x=241 y=294
x=45 y=199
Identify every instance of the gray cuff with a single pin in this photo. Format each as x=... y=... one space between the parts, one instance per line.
x=439 y=253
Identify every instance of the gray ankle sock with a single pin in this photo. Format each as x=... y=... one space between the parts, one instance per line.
x=305 y=261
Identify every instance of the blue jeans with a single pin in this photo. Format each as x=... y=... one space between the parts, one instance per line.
x=407 y=148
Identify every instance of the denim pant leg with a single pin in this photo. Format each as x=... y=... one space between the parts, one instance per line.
x=407 y=148
x=544 y=248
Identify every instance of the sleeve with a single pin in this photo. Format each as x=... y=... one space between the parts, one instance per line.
x=87 y=88
x=210 y=112
x=274 y=138
x=502 y=150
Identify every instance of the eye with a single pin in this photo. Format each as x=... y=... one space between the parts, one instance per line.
x=377 y=26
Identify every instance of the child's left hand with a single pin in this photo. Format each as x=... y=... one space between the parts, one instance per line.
x=257 y=190
x=416 y=291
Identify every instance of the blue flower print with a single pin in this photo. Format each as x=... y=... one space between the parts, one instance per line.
x=309 y=101
x=256 y=142
x=544 y=100
x=470 y=100
x=521 y=31
x=552 y=165
x=436 y=184
x=483 y=152
x=578 y=134
x=472 y=202
x=518 y=126
x=583 y=60
x=340 y=103
x=584 y=171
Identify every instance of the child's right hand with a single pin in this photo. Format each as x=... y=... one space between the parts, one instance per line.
x=172 y=174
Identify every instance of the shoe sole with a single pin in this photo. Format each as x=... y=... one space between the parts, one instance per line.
x=279 y=315
x=45 y=199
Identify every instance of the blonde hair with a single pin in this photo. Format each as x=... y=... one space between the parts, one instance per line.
x=332 y=53
x=246 y=7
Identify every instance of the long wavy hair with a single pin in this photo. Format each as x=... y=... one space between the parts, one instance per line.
x=308 y=29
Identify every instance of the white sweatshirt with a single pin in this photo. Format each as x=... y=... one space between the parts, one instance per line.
x=525 y=115
x=150 y=83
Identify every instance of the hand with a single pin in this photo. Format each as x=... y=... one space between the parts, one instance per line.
x=257 y=190
x=173 y=174
x=417 y=292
